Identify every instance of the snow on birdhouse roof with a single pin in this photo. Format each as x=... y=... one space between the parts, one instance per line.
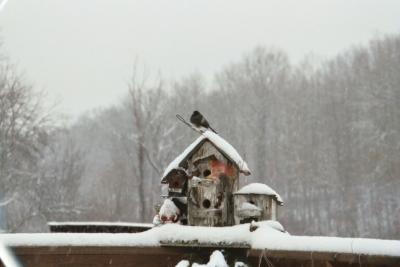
x=259 y=189
x=221 y=144
x=228 y=150
x=178 y=160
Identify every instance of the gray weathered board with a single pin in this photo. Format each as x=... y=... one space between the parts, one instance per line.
x=196 y=243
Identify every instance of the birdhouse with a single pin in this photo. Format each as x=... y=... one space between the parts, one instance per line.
x=176 y=181
x=207 y=203
x=210 y=168
x=256 y=202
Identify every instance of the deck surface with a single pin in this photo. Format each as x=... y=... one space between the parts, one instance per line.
x=170 y=255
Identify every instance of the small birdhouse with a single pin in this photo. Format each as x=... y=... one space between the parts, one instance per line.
x=176 y=181
x=207 y=173
x=256 y=202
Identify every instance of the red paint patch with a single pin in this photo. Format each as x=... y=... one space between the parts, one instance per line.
x=218 y=168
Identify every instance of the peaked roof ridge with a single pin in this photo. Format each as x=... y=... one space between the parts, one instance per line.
x=221 y=144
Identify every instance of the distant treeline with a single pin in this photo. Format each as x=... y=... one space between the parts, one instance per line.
x=325 y=134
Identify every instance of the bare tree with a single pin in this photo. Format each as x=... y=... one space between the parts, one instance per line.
x=23 y=128
x=325 y=135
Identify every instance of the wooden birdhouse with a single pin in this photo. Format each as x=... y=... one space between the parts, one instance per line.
x=208 y=203
x=256 y=202
x=176 y=181
x=210 y=168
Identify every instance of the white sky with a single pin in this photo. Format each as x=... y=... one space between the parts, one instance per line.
x=82 y=51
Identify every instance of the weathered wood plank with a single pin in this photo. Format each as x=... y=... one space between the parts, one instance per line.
x=171 y=254
x=195 y=243
x=93 y=228
x=332 y=258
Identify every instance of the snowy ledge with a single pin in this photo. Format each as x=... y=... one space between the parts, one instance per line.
x=266 y=237
x=102 y=223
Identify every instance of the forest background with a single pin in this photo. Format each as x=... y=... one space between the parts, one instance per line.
x=325 y=134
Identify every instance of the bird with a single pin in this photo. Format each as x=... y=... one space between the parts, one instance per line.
x=198 y=120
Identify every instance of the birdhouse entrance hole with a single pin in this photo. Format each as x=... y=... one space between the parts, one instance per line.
x=206 y=203
x=206 y=172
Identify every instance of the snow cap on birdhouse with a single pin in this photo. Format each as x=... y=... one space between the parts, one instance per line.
x=256 y=202
x=208 y=156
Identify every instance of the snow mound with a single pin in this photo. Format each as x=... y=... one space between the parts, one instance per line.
x=249 y=210
x=228 y=235
x=183 y=263
x=157 y=220
x=270 y=223
x=216 y=260
x=249 y=206
x=260 y=189
x=169 y=210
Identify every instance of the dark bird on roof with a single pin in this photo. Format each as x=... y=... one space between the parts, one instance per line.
x=198 y=120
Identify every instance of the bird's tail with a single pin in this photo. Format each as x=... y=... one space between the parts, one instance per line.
x=212 y=129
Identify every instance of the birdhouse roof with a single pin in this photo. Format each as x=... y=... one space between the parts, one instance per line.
x=221 y=144
x=259 y=189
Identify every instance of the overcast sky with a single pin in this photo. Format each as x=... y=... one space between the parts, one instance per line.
x=82 y=51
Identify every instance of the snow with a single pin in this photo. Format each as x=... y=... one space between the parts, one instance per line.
x=178 y=160
x=169 y=209
x=101 y=224
x=260 y=189
x=183 y=263
x=156 y=220
x=266 y=236
x=202 y=234
x=216 y=260
x=271 y=239
x=249 y=206
x=249 y=210
x=220 y=143
x=273 y=224
x=196 y=179
x=228 y=149
x=147 y=238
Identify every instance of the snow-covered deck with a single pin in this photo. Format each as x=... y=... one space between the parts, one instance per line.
x=98 y=227
x=100 y=223
x=267 y=237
